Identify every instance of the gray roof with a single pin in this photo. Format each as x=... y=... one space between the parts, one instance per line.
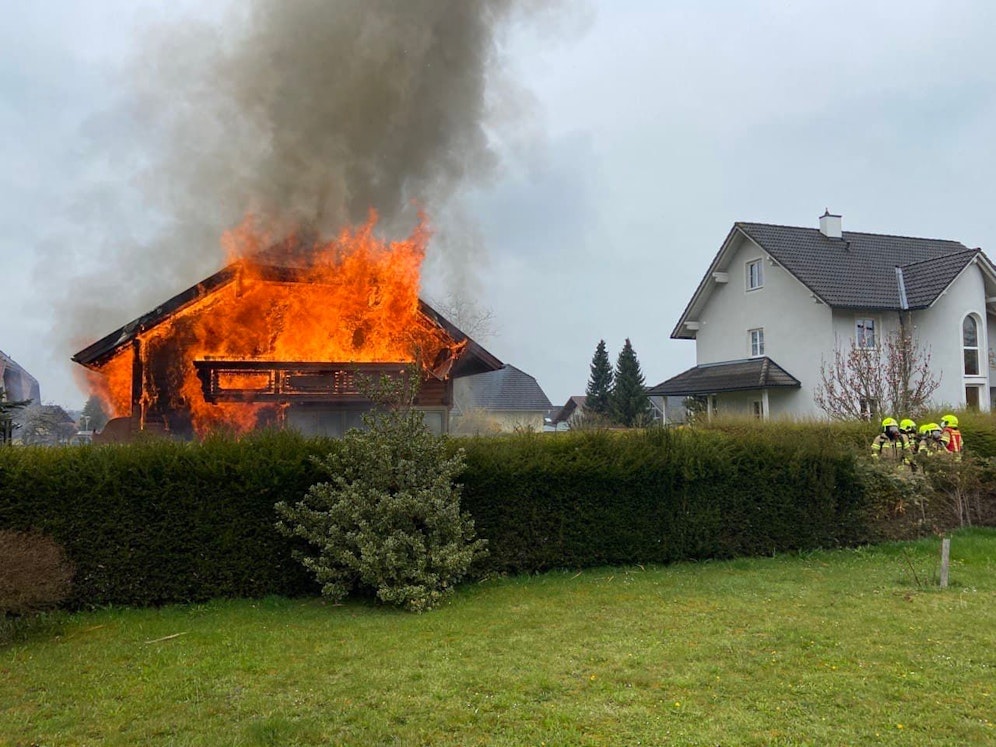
x=727 y=376
x=508 y=389
x=861 y=271
x=858 y=270
x=573 y=404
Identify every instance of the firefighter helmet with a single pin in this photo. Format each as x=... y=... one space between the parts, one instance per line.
x=907 y=425
x=950 y=420
x=889 y=421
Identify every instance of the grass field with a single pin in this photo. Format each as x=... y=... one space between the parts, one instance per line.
x=829 y=648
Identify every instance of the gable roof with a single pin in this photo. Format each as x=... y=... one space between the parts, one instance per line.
x=573 y=404
x=475 y=359
x=857 y=271
x=507 y=389
x=727 y=376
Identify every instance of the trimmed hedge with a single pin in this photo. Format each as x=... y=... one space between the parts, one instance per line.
x=657 y=496
x=164 y=521
x=161 y=521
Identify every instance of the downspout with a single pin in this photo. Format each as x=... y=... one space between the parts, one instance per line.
x=904 y=304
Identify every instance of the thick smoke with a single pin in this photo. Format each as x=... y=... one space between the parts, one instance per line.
x=306 y=113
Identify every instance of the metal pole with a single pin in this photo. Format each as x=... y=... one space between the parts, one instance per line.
x=945 y=561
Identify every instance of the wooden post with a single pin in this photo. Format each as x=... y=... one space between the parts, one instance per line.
x=945 y=561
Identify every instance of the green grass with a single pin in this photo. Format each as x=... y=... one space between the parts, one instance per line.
x=828 y=648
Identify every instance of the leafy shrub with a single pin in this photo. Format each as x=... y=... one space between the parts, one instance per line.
x=389 y=517
x=35 y=574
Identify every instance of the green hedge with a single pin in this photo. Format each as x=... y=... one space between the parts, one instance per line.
x=161 y=521
x=164 y=521
x=657 y=496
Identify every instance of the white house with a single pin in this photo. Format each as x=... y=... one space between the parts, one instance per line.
x=777 y=299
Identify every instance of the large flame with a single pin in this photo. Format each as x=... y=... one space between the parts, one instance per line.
x=351 y=299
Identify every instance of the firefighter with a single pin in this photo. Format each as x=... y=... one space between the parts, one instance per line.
x=908 y=428
x=951 y=436
x=927 y=442
x=891 y=443
x=922 y=434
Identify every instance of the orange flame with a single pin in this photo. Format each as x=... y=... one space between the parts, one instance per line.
x=351 y=299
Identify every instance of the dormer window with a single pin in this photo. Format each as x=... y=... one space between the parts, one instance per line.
x=755 y=274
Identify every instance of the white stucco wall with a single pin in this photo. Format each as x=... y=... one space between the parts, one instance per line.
x=799 y=333
x=940 y=327
x=796 y=328
x=510 y=421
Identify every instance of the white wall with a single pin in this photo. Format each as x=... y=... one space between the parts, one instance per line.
x=799 y=333
x=940 y=326
x=796 y=328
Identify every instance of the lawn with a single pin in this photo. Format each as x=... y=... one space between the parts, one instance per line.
x=826 y=648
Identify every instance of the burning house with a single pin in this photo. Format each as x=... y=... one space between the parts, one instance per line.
x=283 y=337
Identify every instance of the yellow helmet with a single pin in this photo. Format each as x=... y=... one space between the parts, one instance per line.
x=950 y=420
x=932 y=427
x=889 y=421
x=924 y=429
x=907 y=425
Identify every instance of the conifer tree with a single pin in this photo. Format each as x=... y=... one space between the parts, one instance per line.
x=599 y=391
x=630 y=404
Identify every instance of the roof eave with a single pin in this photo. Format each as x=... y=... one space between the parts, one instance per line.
x=680 y=332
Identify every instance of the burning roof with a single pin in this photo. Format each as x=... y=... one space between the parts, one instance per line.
x=292 y=323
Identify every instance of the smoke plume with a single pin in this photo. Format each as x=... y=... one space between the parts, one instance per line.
x=306 y=113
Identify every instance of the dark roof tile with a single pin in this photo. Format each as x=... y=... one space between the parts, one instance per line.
x=508 y=389
x=859 y=270
x=726 y=376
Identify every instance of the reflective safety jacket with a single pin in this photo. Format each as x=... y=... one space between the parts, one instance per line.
x=951 y=438
x=897 y=449
x=930 y=445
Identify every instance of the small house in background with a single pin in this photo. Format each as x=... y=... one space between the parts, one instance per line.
x=568 y=416
x=498 y=401
x=17 y=384
x=45 y=425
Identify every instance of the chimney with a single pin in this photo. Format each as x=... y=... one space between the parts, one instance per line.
x=830 y=225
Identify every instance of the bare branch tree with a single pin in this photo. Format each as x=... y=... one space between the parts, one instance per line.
x=909 y=378
x=864 y=382
x=851 y=384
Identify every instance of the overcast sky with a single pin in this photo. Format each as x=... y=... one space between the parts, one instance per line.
x=640 y=131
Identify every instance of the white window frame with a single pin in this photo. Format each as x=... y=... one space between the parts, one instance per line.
x=860 y=335
x=758 y=279
x=977 y=347
x=755 y=342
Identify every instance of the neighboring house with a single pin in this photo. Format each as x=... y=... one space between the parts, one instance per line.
x=567 y=416
x=507 y=399
x=45 y=425
x=17 y=384
x=776 y=300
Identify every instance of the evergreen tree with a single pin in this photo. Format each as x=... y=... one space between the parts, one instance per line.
x=94 y=412
x=630 y=404
x=599 y=391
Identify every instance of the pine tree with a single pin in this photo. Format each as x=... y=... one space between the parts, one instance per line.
x=96 y=418
x=599 y=391
x=630 y=404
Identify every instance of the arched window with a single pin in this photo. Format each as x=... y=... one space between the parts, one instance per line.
x=970 y=344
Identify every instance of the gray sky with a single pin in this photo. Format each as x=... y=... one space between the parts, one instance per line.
x=635 y=134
